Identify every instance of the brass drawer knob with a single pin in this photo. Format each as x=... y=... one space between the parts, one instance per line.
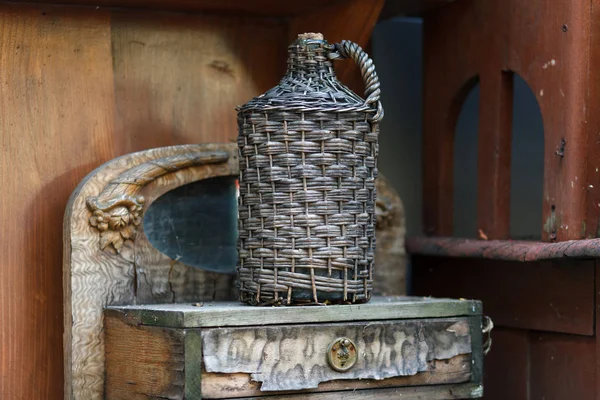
x=342 y=354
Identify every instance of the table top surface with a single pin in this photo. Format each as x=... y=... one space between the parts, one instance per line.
x=220 y=314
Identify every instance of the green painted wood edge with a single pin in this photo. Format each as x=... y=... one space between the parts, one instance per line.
x=452 y=391
x=235 y=314
x=193 y=364
x=173 y=319
x=475 y=325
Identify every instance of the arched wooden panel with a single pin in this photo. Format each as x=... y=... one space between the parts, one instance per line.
x=108 y=259
x=546 y=43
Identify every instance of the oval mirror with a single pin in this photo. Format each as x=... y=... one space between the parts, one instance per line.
x=196 y=224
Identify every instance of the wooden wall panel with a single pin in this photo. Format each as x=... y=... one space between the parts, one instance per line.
x=526 y=365
x=82 y=85
x=506 y=367
x=78 y=87
x=593 y=122
x=562 y=367
x=553 y=296
x=55 y=126
x=178 y=79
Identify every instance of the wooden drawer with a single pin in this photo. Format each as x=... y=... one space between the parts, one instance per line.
x=166 y=351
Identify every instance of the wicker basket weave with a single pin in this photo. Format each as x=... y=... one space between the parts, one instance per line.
x=308 y=162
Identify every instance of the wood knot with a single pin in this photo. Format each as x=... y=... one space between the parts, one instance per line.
x=223 y=67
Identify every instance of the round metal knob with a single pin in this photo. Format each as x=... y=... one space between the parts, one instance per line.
x=342 y=354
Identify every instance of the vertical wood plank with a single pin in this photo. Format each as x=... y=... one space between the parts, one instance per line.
x=178 y=78
x=444 y=91
x=494 y=146
x=507 y=366
x=56 y=105
x=593 y=122
x=548 y=45
x=144 y=362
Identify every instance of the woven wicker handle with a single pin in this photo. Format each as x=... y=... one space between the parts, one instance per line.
x=347 y=49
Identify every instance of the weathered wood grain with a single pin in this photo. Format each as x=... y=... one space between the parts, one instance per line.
x=222 y=314
x=58 y=108
x=436 y=392
x=55 y=124
x=94 y=278
x=292 y=358
x=117 y=210
x=163 y=362
x=186 y=73
x=454 y=370
x=143 y=363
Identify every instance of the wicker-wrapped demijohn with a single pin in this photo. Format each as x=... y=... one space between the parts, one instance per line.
x=308 y=162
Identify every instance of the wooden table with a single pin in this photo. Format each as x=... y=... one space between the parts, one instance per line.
x=405 y=347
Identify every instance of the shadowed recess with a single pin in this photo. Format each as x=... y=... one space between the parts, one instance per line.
x=465 y=166
x=527 y=164
x=196 y=224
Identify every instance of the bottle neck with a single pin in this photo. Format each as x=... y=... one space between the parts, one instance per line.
x=309 y=59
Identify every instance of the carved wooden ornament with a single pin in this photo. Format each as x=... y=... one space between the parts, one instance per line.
x=103 y=230
x=118 y=209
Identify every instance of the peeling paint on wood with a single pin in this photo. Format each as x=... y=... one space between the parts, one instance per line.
x=293 y=358
x=439 y=373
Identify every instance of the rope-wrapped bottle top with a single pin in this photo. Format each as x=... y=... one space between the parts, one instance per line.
x=310 y=83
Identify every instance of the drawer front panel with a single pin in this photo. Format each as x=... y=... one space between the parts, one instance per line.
x=292 y=358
